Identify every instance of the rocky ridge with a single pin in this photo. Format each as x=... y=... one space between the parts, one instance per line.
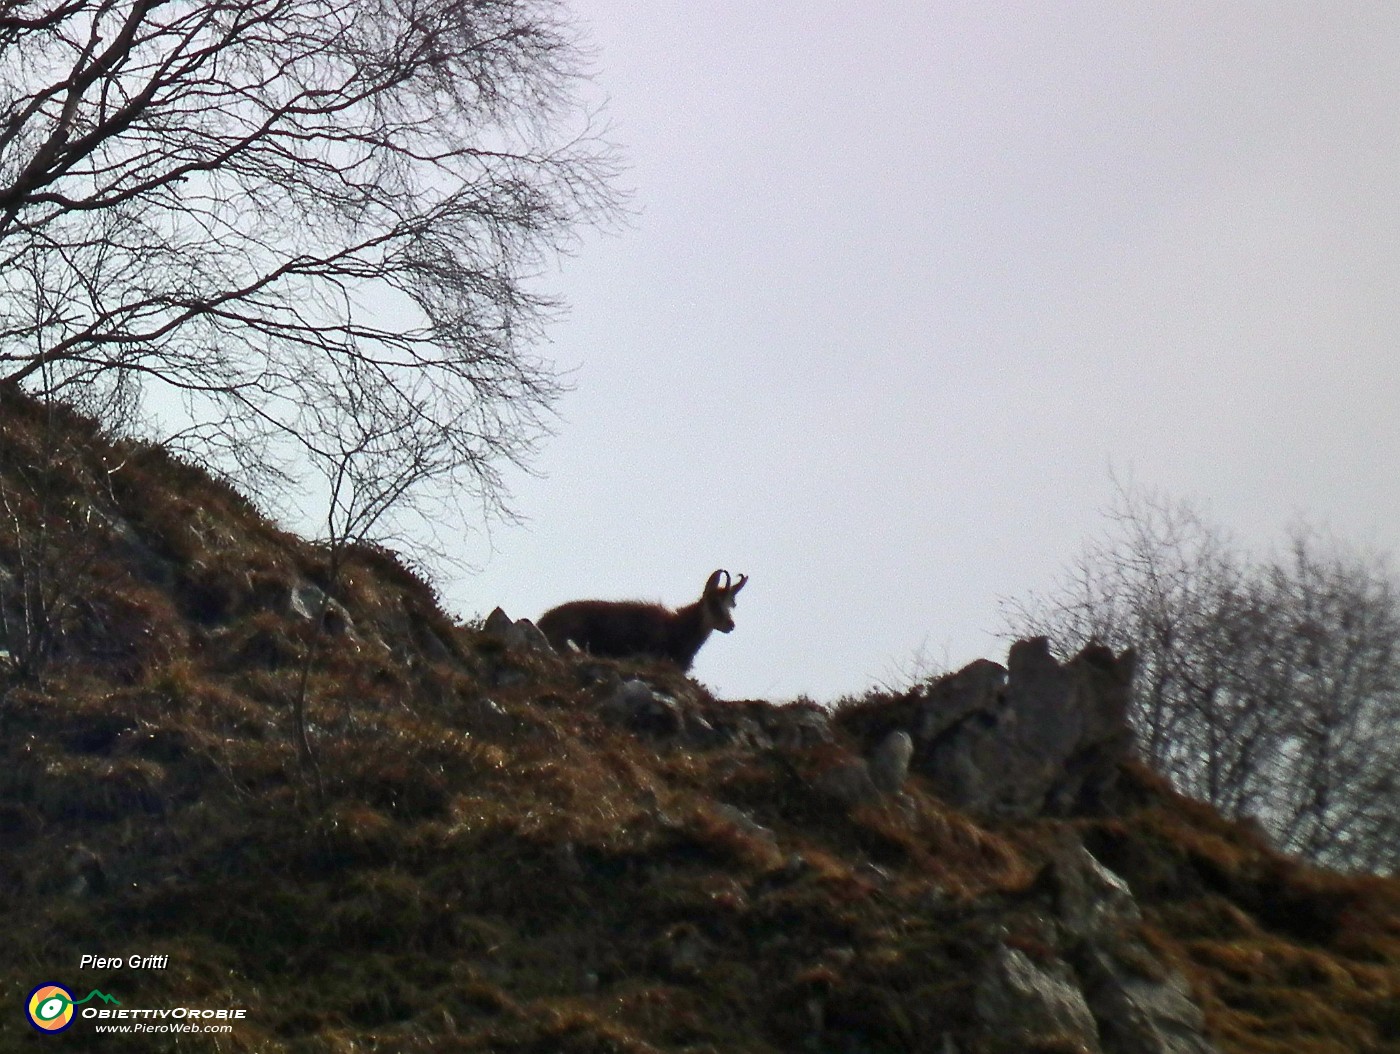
x=497 y=847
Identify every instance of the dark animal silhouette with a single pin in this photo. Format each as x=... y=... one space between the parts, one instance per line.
x=630 y=629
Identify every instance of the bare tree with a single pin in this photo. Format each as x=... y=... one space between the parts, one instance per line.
x=262 y=206
x=1333 y=663
x=369 y=460
x=1268 y=686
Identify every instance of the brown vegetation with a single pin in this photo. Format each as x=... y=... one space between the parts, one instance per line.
x=494 y=864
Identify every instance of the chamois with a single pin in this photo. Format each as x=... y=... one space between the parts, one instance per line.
x=630 y=629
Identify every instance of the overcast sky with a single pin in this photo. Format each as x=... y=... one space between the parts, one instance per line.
x=907 y=279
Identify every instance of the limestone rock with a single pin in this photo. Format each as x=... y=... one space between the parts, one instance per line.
x=516 y=635
x=745 y=823
x=889 y=765
x=1022 y=1003
x=1092 y=902
x=848 y=782
x=1035 y=737
x=309 y=601
x=796 y=727
x=644 y=709
x=976 y=688
x=533 y=636
x=497 y=624
x=1139 y=1014
x=1139 y=1011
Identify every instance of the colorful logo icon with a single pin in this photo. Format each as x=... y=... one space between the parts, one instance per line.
x=51 y=1008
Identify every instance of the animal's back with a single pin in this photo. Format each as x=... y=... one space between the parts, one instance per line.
x=615 y=629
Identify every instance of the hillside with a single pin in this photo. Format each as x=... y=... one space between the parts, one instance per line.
x=504 y=849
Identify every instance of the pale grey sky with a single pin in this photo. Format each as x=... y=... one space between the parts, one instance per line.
x=907 y=278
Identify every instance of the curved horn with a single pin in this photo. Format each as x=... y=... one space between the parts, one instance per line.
x=740 y=584
x=713 y=583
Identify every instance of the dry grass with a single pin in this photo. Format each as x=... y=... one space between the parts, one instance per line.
x=494 y=865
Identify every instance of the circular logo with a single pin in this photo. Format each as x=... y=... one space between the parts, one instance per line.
x=51 y=1008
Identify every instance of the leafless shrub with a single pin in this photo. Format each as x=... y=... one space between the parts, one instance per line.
x=1268 y=686
x=48 y=518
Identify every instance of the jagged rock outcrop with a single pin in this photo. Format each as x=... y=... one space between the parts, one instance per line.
x=1031 y=738
x=1068 y=970
x=1023 y=1004
x=1034 y=737
x=516 y=635
x=889 y=764
x=1139 y=1009
x=1094 y=985
x=644 y=709
x=853 y=780
x=848 y=782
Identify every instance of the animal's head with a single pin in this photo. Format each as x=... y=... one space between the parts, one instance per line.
x=718 y=600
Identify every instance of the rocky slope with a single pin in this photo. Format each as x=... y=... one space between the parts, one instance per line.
x=501 y=848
